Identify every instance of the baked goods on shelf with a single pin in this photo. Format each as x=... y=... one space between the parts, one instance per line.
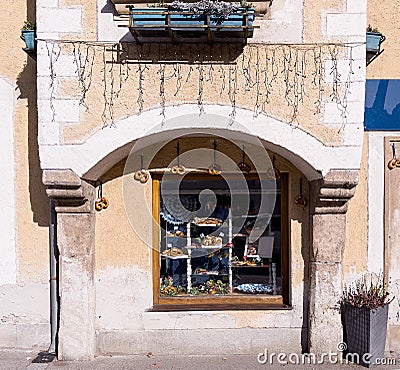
x=206 y=221
x=211 y=241
x=173 y=252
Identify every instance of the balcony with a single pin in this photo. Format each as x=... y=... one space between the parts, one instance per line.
x=177 y=25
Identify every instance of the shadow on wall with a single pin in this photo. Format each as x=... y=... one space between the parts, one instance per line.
x=26 y=82
x=382 y=105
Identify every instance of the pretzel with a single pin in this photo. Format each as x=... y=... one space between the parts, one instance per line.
x=98 y=205
x=214 y=169
x=180 y=170
x=105 y=202
x=301 y=201
x=141 y=176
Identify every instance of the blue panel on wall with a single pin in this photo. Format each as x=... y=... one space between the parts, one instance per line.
x=382 y=105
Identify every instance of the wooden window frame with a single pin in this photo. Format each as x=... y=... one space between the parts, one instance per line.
x=228 y=302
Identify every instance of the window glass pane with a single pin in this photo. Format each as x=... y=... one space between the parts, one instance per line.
x=197 y=258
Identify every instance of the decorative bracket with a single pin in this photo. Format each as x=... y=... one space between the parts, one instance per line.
x=69 y=192
x=332 y=193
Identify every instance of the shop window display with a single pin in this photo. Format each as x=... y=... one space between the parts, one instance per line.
x=232 y=247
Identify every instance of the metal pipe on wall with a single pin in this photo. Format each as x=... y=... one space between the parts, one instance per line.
x=53 y=279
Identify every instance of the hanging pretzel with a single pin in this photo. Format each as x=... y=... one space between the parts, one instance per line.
x=214 y=169
x=101 y=202
x=142 y=176
x=180 y=170
x=394 y=162
x=300 y=199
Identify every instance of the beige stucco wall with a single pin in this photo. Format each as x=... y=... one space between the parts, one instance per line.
x=210 y=84
x=383 y=201
x=383 y=15
x=123 y=277
x=356 y=251
x=24 y=308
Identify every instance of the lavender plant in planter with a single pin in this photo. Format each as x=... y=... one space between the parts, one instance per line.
x=364 y=308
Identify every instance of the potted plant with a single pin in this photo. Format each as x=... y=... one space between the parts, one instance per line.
x=374 y=40
x=364 y=308
x=28 y=35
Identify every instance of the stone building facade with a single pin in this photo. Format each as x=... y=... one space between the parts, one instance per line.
x=102 y=101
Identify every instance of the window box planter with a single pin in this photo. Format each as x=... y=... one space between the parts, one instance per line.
x=29 y=37
x=159 y=22
x=374 y=41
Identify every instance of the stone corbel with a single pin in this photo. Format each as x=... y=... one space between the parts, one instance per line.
x=332 y=193
x=69 y=192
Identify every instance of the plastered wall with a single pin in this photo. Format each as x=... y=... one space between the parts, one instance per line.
x=123 y=279
x=382 y=200
x=70 y=112
x=383 y=17
x=45 y=119
x=24 y=302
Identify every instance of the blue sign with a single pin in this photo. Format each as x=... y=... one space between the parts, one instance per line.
x=382 y=105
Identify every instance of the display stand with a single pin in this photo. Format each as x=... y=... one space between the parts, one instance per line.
x=230 y=241
x=189 y=249
x=189 y=270
x=189 y=260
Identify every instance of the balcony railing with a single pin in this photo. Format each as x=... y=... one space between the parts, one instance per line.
x=152 y=24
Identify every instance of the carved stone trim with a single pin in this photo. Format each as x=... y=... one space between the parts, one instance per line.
x=331 y=194
x=70 y=193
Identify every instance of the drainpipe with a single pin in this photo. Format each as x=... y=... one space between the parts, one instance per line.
x=53 y=279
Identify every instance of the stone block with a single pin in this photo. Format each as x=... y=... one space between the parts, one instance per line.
x=359 y=51
x=325 y=328
x=62 y=20
x=75 y=234
x=343 y=68
x=46 y=87
x=354 y=112
x=328 y=237
x=76 y=237
x=48 y=133
x=67 y=110
x=338 y=24
x=353 y=134
x=43 y=5
x=8 y=335
x=59 y=110
x=77 y=309
x=61 y=178
x=356 y=92
x=65 y=66
x=356 y=6
x=45 y=113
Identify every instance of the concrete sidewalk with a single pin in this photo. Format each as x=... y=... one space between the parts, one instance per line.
x=18 y=360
